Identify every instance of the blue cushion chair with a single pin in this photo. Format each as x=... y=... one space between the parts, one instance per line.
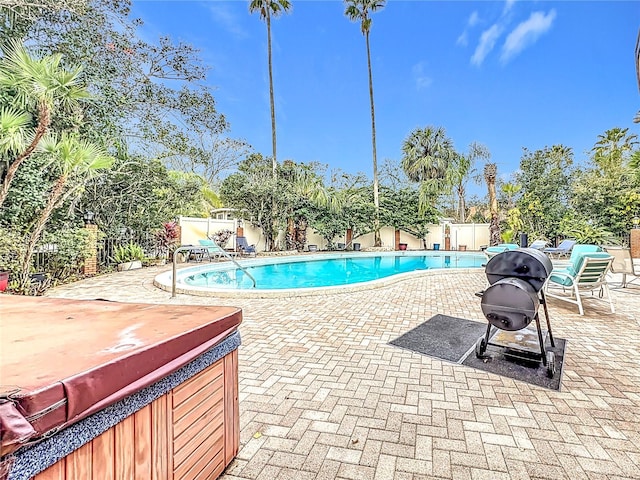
x=586 y=273
x=244 y=247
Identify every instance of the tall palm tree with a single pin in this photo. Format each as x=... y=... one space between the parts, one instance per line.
x=28 y=85
x=427 y=157
x=76 y=161
x=359 y=10
x=268 y=9
x=490 y=175
x=636 y=119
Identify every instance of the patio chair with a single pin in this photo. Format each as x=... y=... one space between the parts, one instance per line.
x=624 y=264
x=245 y=248
x=538 y=244
x=214 y=250
x=491 y=252
x=562 y=250
x=586 y=273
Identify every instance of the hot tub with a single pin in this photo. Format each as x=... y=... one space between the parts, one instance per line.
x=97 y=389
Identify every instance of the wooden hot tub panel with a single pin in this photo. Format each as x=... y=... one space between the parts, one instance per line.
x=190 y=433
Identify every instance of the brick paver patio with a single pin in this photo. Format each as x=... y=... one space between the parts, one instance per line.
x=323 y=396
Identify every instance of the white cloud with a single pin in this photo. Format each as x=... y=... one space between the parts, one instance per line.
x=487 y=42
x=508 y=5
x=421 y=78
x=526 y=34
x=463 y=39
x=225 y=17
x=474 y=18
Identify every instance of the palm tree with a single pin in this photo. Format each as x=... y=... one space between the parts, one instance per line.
x=636 y=119
x=460 y=170
x=611 y=147
x=76 y=160
x=28 y=85
x=490 y=175
x=427 y=157
x=359 y=10
x=510 y=190
x=268 y=9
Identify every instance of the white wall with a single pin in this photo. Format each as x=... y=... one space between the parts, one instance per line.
x=471 y=235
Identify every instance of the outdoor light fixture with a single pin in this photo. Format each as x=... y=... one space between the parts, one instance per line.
x=636 y=221
x=88 y=217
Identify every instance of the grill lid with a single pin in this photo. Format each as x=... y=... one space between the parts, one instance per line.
x=528 y=264
x=510 y=304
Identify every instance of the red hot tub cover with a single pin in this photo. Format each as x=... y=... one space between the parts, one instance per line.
x=62 y=360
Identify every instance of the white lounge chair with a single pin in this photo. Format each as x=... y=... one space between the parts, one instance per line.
x=586 y=273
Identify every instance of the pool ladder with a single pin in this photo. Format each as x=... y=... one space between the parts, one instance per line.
x=188 y=249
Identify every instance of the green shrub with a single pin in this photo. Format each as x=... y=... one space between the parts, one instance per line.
x=12 y=247
x=72 y=248
x=128 y=253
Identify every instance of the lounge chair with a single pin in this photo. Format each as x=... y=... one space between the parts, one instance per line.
x=245 y=248
x=496 y=249
x=624 y=264
x=562 y=250
x=586 y=273
x=539 y=244
x=214 y=250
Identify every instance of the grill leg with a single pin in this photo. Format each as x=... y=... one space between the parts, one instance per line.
x=543 y=352
x=546 y=316
x=486 y=336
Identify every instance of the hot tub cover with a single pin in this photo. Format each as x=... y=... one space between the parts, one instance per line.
x=62 y=360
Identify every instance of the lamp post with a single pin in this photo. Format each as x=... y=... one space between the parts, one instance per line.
x=88 y=217
x=636 y=221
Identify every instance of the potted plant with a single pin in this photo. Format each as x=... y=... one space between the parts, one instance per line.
x=128 y=257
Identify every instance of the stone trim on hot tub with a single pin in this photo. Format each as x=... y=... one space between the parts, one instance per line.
x=31 y=460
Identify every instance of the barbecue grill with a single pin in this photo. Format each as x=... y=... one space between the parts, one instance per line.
x=512 y=301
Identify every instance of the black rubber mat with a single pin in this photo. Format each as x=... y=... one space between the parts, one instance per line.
x=533 y=372
x=454 y=339
x=444 y=337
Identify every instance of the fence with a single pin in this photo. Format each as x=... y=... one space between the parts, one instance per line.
x=469 y=236
x=107 y=246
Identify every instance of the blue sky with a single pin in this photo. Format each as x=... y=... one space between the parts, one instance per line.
x=508 y=74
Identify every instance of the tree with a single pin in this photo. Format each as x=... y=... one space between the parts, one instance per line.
x=360 y=10
x=268 y=9
x=544 y=176
x=301 y=190
x=461 y=169
x=38 y=86
x=490 y=175
x=427 y=157
x=510 y=191
x=399 y=209
x=611 y=148
x=252 y=191
x=142 y=194
x=606 y=194
x=75 y=159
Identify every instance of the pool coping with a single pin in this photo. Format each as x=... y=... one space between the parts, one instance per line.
x=163 y=280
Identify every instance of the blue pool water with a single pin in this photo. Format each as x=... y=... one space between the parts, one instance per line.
x=304 y=272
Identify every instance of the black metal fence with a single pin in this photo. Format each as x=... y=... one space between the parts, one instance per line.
x=107 y=246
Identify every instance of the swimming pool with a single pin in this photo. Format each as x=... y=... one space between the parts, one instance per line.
x=308 y=274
